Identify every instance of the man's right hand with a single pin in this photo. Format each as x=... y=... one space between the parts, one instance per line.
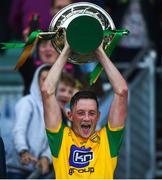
x=66 y=44
x=27 y=158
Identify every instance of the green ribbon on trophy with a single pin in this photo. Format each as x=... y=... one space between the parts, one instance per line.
x=85 y=31
x=28 y=47
x=117 y=34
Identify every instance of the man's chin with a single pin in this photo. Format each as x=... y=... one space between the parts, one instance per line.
x=85 y=135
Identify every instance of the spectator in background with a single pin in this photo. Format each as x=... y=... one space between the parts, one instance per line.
x=28 y=132
x=2 y=160
x=139 y=17
x=45 y=53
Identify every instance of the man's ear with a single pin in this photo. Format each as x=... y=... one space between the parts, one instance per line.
x=69 y=114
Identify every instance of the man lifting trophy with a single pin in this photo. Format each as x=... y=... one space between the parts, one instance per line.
x=81 y=151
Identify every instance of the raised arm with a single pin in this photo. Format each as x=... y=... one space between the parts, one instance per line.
x=118 y=108
x=52 y=111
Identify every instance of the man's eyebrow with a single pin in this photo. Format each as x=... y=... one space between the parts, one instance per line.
x=80 y=110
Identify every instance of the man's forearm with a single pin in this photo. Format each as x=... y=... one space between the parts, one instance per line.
x=52 y=111
x=55 y=71
x=117 y=81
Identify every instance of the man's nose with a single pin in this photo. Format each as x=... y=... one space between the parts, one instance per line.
x=86 y=117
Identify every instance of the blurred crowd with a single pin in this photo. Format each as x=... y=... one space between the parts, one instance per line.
x=18 y=18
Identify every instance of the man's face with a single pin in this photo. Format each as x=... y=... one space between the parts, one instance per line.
x=84 y=117
x=47 y=52
x=58 y=5
x=64 y=94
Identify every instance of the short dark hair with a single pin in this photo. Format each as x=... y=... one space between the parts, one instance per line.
x=86 y=94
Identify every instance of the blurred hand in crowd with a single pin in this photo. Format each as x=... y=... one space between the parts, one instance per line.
x=27 y=158
x=43 y=164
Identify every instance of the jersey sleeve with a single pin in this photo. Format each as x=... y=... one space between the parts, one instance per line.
x=55 y=139
x=115 y=138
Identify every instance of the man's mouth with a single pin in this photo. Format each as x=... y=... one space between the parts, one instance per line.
x=85 y=128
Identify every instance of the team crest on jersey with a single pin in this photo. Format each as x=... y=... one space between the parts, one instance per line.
x=95 y=138
x=80 y=157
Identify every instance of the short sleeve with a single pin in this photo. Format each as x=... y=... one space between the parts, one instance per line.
x=115 y=137
x=55 y=139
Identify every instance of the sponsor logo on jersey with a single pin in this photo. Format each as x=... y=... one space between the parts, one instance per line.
x=80 y=157
x=84 y=170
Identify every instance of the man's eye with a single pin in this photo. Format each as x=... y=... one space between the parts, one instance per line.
x=92 y=113
x=80 y=113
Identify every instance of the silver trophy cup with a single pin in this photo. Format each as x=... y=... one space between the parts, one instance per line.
x=84 y=24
